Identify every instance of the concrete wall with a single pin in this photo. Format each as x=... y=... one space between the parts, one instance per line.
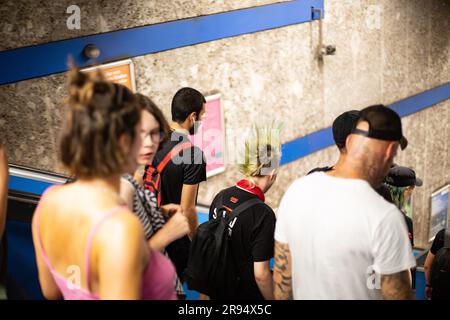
x=387 y=50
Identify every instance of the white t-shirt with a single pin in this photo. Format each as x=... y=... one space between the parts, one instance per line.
x=339 y=232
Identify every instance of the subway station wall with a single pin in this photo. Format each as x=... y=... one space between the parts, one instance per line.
x=387 y=50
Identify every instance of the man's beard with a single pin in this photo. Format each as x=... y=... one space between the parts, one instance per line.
x=193 y=130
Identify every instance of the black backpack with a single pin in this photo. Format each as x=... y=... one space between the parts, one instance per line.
x=211 y=269
x=440 y=271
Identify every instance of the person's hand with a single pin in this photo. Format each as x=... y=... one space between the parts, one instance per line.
x=170 y=209
x=177 y=226
x=428 y=292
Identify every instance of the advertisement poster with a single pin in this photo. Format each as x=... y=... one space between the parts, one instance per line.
x=210 y=136
x=121 y=72
x=439 y=211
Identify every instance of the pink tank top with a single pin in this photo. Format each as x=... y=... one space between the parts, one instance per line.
x=158 y=278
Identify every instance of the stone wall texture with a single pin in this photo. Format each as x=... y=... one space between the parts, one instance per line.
x=387 y=50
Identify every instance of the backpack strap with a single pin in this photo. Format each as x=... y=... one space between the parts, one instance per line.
x=220 y=199
x=172 y=153
x=240 y=208
x=447 y=238
x=235 y=213
x=244 y=206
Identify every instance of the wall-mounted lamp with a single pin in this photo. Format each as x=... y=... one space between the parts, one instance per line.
x=91 y=51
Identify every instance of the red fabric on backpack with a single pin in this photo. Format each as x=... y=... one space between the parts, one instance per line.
x=152 y=175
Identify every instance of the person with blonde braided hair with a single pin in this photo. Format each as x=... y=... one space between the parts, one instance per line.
x=252 y=233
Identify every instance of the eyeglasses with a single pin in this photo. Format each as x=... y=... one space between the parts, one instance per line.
x=155 y=136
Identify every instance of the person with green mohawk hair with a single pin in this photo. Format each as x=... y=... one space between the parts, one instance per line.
x=252 y=232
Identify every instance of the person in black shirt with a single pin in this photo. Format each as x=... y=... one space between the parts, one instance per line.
x=252 y=237
x=438 y=243
x=401 y=182
x=190 y=170
x=183 y=173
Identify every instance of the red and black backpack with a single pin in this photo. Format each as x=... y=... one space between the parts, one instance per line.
x=152 y=175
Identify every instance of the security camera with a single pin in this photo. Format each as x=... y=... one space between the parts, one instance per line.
x=329 y=50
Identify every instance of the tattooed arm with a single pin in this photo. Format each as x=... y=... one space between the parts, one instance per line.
x=397 y=286
x=282 y=276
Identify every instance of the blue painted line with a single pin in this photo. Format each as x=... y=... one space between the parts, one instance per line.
x=306 y=145
x=303 y=146
x=27 y=185
x=45 y=59
x=422 y=100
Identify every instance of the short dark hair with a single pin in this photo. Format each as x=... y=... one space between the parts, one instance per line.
x=148 y=105
x=98 y=114
x=186 y=101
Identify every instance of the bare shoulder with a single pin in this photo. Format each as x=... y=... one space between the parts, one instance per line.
x=50 y=198
x=123 y=221
x=123 y=229
x=120 y=238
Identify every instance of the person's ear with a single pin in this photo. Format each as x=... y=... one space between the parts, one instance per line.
x=193 y=117
x=348 y=141
x=391 y=150
x=273 y=175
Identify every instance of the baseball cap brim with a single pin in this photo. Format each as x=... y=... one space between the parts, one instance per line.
x=418 y=182
x=403 y=143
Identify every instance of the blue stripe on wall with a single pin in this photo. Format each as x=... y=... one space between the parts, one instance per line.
x=41 y=60
x=306 y=145
x=422 y=100
x=301 y=147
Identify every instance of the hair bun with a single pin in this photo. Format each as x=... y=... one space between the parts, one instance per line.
x=85 y=87
x=77 y=81
x=77 y=78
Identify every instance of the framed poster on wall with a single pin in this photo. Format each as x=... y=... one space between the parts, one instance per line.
x=121 y=72
x=438 y=211
x=210 y=136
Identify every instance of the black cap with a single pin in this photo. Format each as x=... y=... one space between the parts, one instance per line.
x=343 y=125
x=402 y=177
x=384 y=124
